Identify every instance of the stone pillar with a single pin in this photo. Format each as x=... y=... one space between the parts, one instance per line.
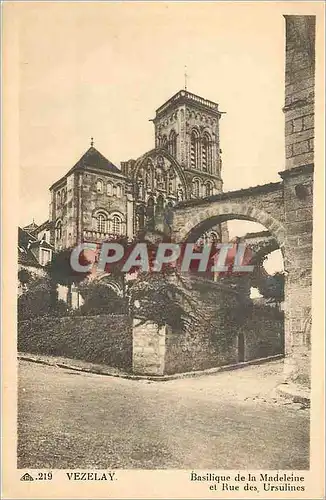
x=148 y=349
x=298 y=193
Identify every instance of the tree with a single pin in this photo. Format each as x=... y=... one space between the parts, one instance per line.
x=36 y=301
x=271 y=287
x=162 y=298
x=25 y=276
x=99 y=298
x=61 y=272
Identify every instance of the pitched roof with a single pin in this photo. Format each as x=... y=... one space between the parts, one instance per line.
x=31 y=227
x=25 y=255
x=24 y=238
x=92 y=159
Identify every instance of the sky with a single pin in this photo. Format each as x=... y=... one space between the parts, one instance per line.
x=102 y=69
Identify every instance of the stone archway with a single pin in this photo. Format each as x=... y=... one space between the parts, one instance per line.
x=217 y=212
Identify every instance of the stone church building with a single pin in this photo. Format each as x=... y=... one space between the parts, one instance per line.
x=96 y=200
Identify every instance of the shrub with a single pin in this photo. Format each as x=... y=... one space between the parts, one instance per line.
x=36 y=301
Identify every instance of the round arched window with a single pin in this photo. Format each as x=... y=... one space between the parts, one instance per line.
x=101 y=222
x=116 y=224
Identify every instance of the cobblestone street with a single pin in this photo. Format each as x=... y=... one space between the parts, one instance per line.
x=229 y=420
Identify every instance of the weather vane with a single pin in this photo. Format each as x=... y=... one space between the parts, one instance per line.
x=92 y=141
x=186 y=77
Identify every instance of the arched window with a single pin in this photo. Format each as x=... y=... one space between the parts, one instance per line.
x=173 y=143
x=150 y=213
x=109 y=189
x=58 y=198
x=99 y=186
x=194 y=149
x=101 y=222
x=119 y=191
x=140 y=218
x=214 y=237
x=206 y=153
x=208 y=189
x=164 y=142
x=159 y=204
x=58 y=230
x=116 y=224
x=196 y=188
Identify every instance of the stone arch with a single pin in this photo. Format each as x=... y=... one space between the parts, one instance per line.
x=208 y=216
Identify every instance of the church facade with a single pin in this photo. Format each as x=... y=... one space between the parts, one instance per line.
x=96 y=201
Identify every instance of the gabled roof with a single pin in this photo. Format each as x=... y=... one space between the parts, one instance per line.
x=92 y=159
x=25 y=255
x=30 y=227
x=44 y=226
x=41 y=244
x=24 y=238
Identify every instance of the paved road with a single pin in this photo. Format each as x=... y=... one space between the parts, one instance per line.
x=230 y=420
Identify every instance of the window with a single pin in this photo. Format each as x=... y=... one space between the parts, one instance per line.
x=150 y=213
x=208 y=189
x=194 y=149
x=159 y=204
x=173 y=143
x=119 y=191
x=116 y=224
x=140 y=218
x=63 y=197
x=109 y=189
x=58 y=198
x=58 y=230
x=101 y=222
x=99 y=186
x=164 y=142
x=45 y=256
x=206 y=153
x=214 y=237
x=196 y=188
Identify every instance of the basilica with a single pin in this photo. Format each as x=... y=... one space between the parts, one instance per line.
x=96 y=200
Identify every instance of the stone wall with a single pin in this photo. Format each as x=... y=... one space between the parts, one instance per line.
x=97 y=339
x=299 y=90
x=211 y=338
x=109 y=203
x=148 y=348
x=263 y=331
x=298 y=190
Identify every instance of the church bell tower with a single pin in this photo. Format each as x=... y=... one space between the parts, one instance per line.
x=187 y=126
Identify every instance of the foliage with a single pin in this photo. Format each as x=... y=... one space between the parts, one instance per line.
x=36 y=301
x=61 y=273
x=60 y=270
x=162 y=298
x=272 y=287
x=100 y=298
x=25 y=276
